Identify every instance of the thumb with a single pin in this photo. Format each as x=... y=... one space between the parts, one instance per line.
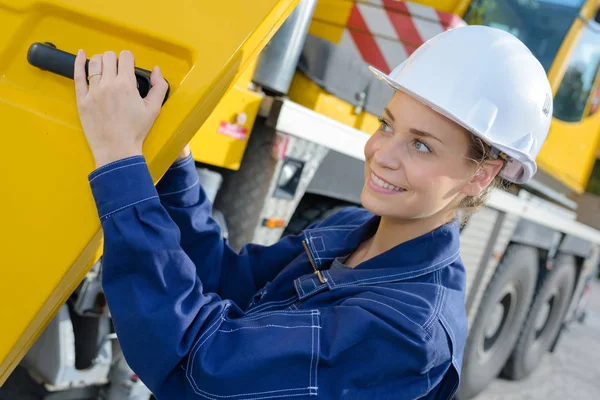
x=157 y=93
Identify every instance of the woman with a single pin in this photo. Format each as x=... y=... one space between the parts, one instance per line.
x=368 y=304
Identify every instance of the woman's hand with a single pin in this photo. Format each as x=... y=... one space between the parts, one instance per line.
x=115 y=118
x=184 y=153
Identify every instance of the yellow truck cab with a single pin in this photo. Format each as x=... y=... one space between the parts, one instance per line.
x=277 y=101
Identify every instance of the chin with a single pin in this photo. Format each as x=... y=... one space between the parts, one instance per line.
x=378 y=206
x=394 y=208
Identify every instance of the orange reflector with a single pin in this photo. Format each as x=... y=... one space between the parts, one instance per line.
x=274 y=223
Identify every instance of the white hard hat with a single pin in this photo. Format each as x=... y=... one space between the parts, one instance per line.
x=487 y=81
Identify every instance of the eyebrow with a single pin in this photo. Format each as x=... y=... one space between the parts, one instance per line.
x=389 y=113
x=421 y=133
x=414 y=131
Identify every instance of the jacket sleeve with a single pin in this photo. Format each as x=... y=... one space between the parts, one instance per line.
x=184 y=199
x=185 y=342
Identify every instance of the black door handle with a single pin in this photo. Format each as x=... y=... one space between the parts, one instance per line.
x=47 y=57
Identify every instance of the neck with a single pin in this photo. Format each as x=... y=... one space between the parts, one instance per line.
x=392 y=232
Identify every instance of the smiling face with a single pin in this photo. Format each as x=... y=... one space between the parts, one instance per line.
x=417 y=164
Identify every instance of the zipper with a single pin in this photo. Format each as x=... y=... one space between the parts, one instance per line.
x=312 y=262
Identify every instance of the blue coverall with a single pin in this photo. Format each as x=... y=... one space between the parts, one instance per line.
x=197 y=320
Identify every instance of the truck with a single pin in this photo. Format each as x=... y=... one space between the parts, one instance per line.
x=281 y=146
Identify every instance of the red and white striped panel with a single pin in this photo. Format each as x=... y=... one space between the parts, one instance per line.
x=385 y=32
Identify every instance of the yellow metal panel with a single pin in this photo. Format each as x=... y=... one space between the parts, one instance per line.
x=210 y=145
x=50 y=231
x=333 y=11
x=569 y=152
x=326 y=31
x=307 y=93
x=368 y=123
x=452 y=6
x=329 y=19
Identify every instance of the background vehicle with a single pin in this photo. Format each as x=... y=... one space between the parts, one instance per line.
x=284 y=145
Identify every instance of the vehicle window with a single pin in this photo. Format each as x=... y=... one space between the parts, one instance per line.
x=574 y=91
x=540 y=24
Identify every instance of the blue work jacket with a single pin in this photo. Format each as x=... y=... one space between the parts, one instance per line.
x=197 y=320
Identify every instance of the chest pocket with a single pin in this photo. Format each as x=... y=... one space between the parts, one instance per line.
x=236 y=359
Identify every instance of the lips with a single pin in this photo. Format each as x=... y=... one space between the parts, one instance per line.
x=383 y=184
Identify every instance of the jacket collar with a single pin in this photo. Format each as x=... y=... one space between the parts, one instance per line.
x=419 y=256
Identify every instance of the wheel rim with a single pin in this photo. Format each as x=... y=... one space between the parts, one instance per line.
x=544 y=315
x=497 y=322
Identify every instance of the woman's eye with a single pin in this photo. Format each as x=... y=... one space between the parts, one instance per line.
x=422 y=147
x=384 y=126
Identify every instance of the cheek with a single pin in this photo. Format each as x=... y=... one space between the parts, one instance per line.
x=430 y=180
x=371 y=146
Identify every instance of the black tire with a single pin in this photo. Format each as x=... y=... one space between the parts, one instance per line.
x=242 y=195
x=312 y=208
x=21 y=386
x=544 y=320
x=499 y=319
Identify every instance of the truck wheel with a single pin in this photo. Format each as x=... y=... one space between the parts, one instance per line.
x=498 y=320
x=312 y=208
x=21 y=386
x=544 y=320
x=242 y=195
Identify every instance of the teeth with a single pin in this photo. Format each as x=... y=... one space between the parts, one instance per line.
x=384 y=184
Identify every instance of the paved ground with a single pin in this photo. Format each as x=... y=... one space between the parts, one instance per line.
x=571 y=373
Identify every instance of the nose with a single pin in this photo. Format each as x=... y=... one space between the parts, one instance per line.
x=390 y=154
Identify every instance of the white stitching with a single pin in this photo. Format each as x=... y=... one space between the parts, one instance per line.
x=282 y=312
x=205 y=393
x=113 y=163
x=411 y=274
x=322 y=243
x=108 y=214
x=328 y=274
x=197 y=345
x=182 y=190
x=270 y=303
x=299 y=287
x=335 y=228
x=316 y=289
x=266 y=326
x=390 y=307
x=196 y=352
x=114 y=169
x=312 y=348
x=443 y=295
x=314 y=250
x=181 y=163
x=435 y=307
x=278 y=397
x=272 y=306
x=318 y=355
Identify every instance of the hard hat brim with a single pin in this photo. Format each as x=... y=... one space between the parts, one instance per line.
x=514 y=171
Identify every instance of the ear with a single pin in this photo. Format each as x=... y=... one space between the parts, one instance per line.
x=485 y=174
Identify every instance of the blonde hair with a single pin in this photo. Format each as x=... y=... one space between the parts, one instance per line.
x=478 y=152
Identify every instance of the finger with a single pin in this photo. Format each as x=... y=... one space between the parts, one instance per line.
x=109 y=65
x=157 y=93
x=95 y=70
x=81 y=86
x=127 y=65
